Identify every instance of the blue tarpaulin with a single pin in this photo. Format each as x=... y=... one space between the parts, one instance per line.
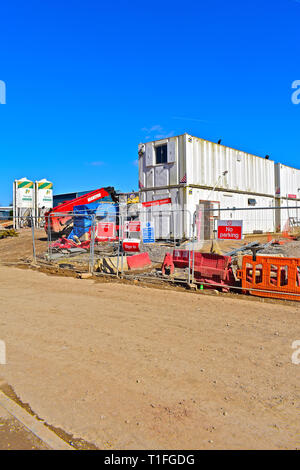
x=83 y=217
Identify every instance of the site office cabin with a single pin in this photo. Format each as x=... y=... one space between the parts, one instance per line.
x=195 y=173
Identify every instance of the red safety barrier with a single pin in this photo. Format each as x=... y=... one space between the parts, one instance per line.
x=213 y=269
x=138 y=261
x=168 y=264
x=208 y=267
x=181 y=258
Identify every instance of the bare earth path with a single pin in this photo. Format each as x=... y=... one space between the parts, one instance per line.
x=129 y=367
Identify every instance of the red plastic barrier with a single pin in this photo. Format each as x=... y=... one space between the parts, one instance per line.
x=168 y=264
x=181 y=258
x=208 y=267
x=138 y=261
x=275 y=277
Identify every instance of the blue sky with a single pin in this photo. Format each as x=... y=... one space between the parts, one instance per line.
x=87 y=81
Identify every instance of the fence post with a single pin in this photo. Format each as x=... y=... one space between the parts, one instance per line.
x=174 y=228
x=119 y=234
x=33 y=240
x=193 y=245
x=49 y=238
x=122 y=254
x=92 y=245
x=189 y=271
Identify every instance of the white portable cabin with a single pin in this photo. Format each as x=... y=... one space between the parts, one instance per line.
x=195 y=173
x=287 y=183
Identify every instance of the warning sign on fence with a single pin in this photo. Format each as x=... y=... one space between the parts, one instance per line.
x=105 y=230
x=230 y=229
x=148 y=233
x=132 y=226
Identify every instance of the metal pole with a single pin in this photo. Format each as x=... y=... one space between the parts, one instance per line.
x=33 y=240
x=122 y=238
x=193 y=245
x=174 y=235
x=119 y=235
x=49 y=238
x=236 y=209
x=189 y=271
x=92 y=246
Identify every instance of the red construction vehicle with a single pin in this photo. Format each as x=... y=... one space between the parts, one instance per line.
x=59 y=217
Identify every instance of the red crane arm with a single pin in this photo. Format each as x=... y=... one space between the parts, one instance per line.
x=85 y=199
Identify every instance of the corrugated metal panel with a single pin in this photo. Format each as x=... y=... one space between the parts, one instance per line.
x=186 y=200
x=170 y=220
x=244 y=172
x=254 y=220
x=286 y=217
x=287 y=181
x=192 y=160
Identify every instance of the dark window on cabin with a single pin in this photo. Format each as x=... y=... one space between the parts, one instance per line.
x=161 y=152
x=251 y=202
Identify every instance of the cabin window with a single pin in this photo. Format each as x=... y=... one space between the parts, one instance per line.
x=251 y=202
x=161 y=152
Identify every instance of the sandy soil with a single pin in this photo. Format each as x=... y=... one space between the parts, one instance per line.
x=15 y=436
x=17 y=248
x=126 y=367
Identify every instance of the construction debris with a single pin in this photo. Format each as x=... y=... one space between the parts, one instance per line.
x=84 y=275
x=6 y=225
x=8 y=233
x=111 y=264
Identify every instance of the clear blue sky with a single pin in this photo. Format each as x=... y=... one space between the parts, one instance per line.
x=88 y=80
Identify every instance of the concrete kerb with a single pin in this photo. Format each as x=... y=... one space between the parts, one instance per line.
x=35 y=427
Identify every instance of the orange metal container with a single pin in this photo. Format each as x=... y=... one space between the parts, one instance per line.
x=271 y=277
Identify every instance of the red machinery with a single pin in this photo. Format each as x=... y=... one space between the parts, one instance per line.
x=59 y=216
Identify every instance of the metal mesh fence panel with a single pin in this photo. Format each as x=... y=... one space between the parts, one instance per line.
x=231 y=248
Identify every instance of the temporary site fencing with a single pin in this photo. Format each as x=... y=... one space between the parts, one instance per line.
x=196 y=249
x=87 y=238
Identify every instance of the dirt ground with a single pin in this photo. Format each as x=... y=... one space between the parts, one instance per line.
x=18 y=248
x=14 y=436
x=127 y=367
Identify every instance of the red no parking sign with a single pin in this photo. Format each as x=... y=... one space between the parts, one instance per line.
x=230 y=229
